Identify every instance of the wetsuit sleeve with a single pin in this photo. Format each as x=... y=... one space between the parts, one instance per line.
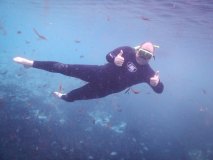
x=111 y=55
x=159 y=88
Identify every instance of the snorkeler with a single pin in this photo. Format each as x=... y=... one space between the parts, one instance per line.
x=126 y=67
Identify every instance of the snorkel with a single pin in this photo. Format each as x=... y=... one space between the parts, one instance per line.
x=155 y=46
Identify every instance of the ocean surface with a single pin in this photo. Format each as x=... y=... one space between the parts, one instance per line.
x=174 y=125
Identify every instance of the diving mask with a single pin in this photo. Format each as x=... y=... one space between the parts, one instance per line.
x=145 y=54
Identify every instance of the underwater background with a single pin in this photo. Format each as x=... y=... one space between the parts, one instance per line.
x=174 y=125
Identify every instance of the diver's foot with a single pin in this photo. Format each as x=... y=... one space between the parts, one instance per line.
x=58 y=94
x=27 y=63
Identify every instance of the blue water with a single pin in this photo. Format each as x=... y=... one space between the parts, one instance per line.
x=175 y=125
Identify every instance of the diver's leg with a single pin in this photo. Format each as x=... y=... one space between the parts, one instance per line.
x=89 y=73
x=88 y=91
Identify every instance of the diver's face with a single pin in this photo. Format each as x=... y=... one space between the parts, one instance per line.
x=141 y=60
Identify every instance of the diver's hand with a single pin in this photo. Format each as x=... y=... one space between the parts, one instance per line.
x=119 y=60
x=155 y=79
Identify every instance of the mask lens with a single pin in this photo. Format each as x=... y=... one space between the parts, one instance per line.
x=145 y=54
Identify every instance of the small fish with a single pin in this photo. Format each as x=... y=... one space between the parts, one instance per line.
x=3 y=72
x=77 y=41
x=18 y=32
x=2 y=30
x=39 y=35
x=204 y=91
x=81 y=56
x=27 y=42
x=134 y=91
x=60 y=89
x=145 y=18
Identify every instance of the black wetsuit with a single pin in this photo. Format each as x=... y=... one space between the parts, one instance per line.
x=103 y=79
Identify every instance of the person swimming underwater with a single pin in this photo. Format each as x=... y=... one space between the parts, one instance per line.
x=127 y=66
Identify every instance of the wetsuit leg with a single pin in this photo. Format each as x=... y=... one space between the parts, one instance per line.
x=89 y=73
x=88 y=91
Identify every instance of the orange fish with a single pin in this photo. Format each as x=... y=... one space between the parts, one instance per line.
x=134 y=91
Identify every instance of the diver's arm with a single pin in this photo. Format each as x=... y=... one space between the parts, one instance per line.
x=110 y=57
x=153 y=79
